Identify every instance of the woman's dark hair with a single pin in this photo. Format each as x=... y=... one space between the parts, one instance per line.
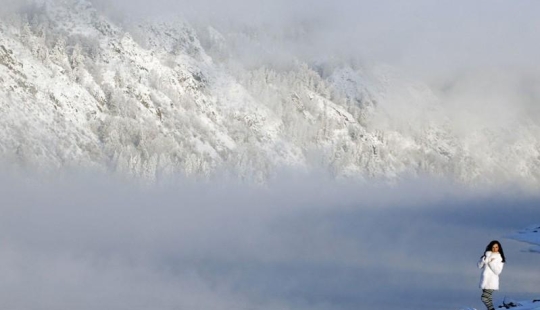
x=490 y=246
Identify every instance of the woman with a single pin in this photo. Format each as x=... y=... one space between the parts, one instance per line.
x=492 y=264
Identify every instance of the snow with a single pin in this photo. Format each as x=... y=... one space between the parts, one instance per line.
x=525 y=305
x=530 y=235
x=82 y=90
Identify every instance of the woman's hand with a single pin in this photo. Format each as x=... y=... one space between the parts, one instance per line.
x=486 y=258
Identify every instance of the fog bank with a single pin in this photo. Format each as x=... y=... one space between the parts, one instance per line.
x=87 y=243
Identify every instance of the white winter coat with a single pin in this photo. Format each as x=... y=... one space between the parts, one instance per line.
x=492 y=265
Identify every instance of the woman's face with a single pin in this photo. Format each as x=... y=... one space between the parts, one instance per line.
x=495 y=248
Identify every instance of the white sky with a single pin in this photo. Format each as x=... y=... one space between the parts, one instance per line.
x=420 y=35
x=431 y=35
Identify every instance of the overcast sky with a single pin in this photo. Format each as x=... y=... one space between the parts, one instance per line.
x=304 y=243
x=419 y=34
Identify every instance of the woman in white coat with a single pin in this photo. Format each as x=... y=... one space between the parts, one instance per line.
x=491 y=263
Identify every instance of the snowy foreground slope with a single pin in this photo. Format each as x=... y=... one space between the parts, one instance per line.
x=160 y=98
x=529 y=235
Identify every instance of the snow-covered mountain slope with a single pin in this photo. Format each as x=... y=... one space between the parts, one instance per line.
x=159 y=98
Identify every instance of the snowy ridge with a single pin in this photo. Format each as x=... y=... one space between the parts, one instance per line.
x=150 y=100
